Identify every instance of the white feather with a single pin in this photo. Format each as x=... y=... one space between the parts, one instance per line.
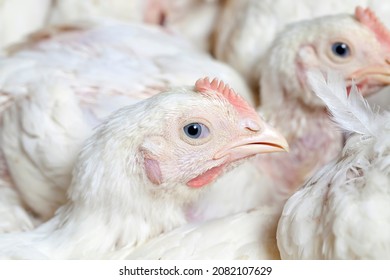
x=13 y=215
x=350 y=111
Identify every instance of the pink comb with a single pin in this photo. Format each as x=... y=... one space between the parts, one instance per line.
x=368 y=18
x=243 y=108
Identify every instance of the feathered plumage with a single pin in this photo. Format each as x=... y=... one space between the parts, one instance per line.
x=193 y=19
x=243 y=236
x=14 y=216
x=342 y=212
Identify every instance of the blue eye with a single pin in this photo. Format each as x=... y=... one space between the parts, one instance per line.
x=196 y=130
x=341 y=49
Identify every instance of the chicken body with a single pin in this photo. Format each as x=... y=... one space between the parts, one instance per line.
x=342 y=211
x=242 y=236
x=141 y=167
x=106 y=66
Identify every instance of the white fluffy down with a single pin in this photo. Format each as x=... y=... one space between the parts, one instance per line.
x=342 y=212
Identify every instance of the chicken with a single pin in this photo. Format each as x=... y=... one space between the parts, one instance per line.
x=289 y=104
x=193 y=19
x=342 y=212
x=243 y=236
x=247 y=28
x=107 y=66
x=18 y=19
x=140 y=168
x=304 y=121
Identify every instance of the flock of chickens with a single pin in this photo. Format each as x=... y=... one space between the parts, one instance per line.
x=194 y=129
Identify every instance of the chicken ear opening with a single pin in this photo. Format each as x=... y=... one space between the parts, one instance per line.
x=153 y=171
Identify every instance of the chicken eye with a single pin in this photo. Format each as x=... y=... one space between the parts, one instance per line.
x=196 y=130
x=341 y=49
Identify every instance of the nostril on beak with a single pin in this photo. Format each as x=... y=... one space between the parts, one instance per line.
x=253 y=129
x=250 y=125
x=387 y=60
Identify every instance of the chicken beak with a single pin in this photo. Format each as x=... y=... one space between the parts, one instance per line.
x=268 y=140
x=372 y=76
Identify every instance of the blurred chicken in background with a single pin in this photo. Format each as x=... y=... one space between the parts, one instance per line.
x=193 y=19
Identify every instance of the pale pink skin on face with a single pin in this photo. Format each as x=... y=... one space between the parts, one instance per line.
x=242 y=107
x=250 y=137
x=206 y=178
x=153 y=171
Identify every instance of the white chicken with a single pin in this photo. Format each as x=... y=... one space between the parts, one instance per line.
x=193 y=19
x=247 y=28
x=359 y=50
x=342 y=212
x=107 y=66
x=140 y=169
